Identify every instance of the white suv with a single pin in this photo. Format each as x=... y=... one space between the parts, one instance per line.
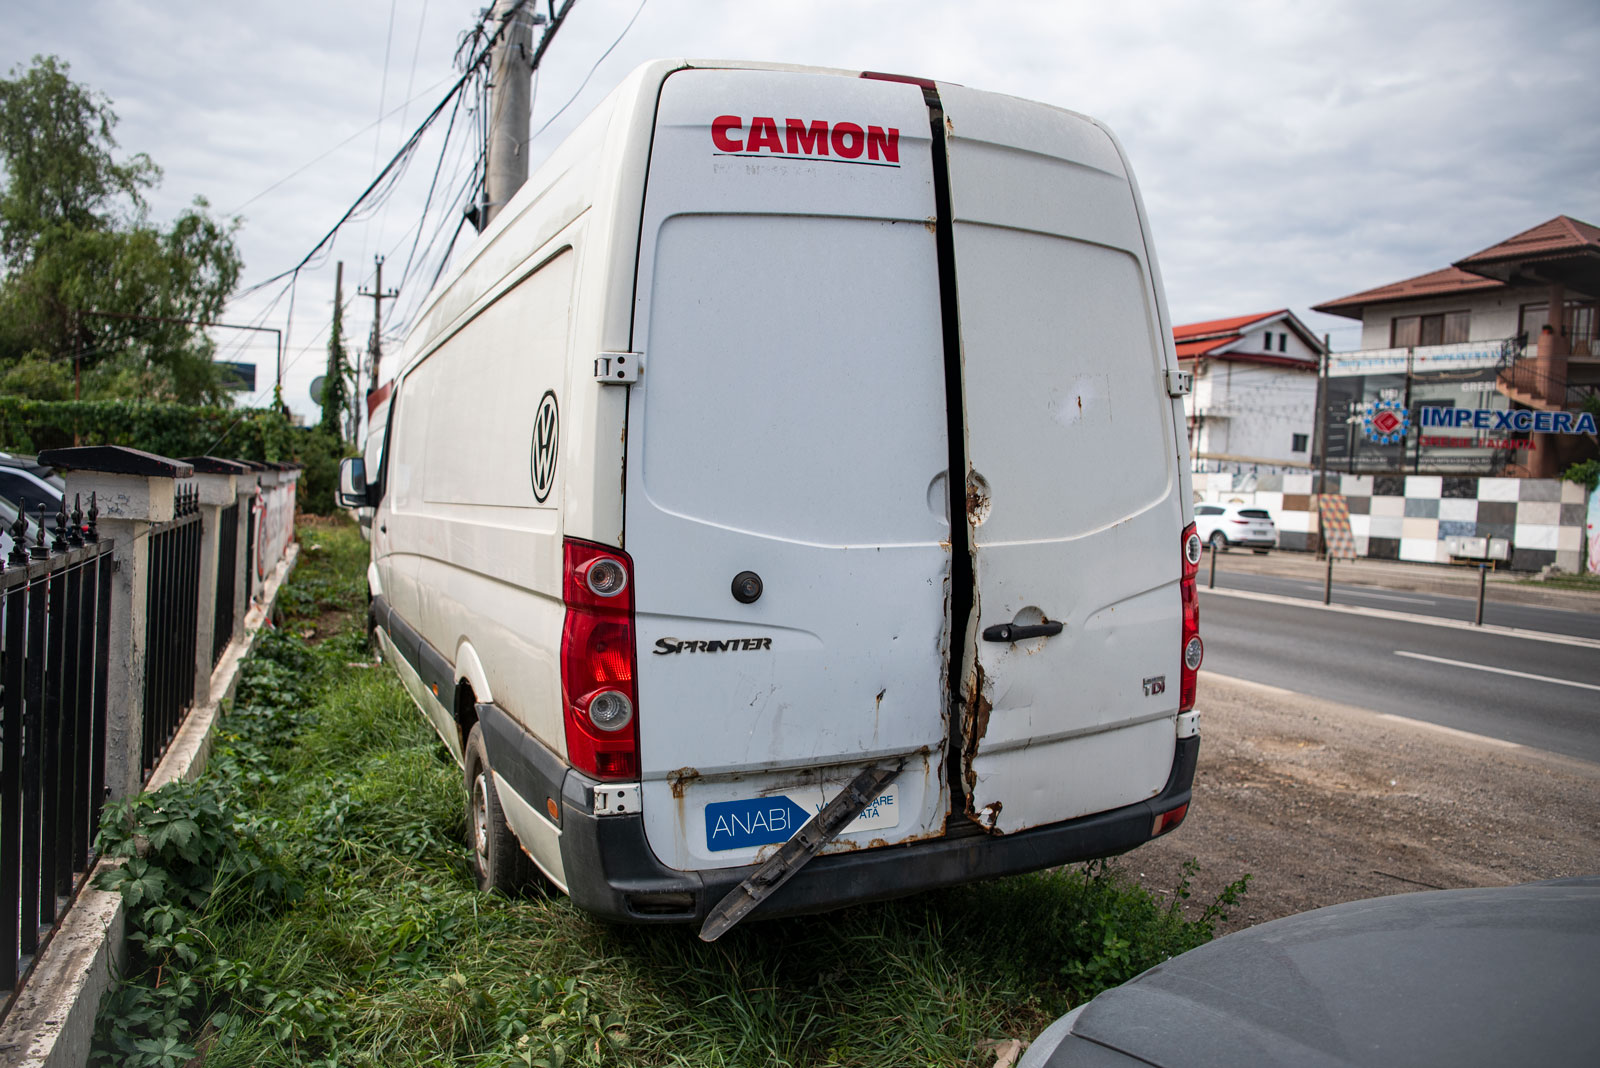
x=1223 y=526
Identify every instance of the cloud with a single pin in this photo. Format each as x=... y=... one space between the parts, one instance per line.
x=1288 y=153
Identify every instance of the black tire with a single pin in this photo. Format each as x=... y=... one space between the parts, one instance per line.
x=1219 y=542
x=1260 y=552
x=498 y=862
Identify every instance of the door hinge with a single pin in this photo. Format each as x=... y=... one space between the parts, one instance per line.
x=1180 y=383
x=617 y=368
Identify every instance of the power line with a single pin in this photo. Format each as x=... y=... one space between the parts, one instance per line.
x=397 y=161
x=592 y=69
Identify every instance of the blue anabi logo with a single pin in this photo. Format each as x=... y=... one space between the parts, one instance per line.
x=754 y=821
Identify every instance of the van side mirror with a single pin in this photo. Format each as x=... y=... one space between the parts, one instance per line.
x=352 y=483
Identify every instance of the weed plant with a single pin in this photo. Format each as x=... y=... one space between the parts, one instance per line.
x=309 y=902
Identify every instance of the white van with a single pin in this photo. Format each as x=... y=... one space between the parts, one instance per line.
x=662 y=542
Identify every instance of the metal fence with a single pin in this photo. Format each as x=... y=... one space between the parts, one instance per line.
x=172 y=611
x=55 y=616
x=227 y=573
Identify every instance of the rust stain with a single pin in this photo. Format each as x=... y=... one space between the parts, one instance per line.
x=1080 y=402
x=932 y=225
x=880 y=697
x=877 y=843
x=949 y=127
x=977 y=500
x=681 y=778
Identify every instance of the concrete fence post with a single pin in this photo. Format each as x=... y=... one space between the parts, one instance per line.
x=217 y=481
x=245 y=489
x=133 y=491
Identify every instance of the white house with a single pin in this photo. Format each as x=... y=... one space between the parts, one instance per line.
x=1254 y=402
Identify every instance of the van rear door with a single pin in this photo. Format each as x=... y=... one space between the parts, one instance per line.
x=789 y=421
x=1073 y=502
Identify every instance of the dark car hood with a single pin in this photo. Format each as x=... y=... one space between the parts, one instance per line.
x=1459 y=977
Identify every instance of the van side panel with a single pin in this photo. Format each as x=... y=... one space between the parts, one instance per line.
x=481 y=552
x=1074 y=509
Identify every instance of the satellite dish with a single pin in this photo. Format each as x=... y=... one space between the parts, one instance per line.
x=316 y=388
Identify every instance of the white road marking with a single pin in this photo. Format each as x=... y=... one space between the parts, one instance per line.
x=1468 y=735
x=1496 y=670
x=1374 y=612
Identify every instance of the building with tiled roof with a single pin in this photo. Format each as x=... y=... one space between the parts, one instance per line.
x=1479 y=333
x=1253 y=403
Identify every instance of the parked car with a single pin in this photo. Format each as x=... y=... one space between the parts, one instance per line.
x=1224 y=526
x=1497 y=976
x=663 y=541
x=8 y=517
x=26 y=482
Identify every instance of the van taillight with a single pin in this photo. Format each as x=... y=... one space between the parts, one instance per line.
x=598 y=665
x=1193 y=650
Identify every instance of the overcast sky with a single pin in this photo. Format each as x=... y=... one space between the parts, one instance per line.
x=1289 y=153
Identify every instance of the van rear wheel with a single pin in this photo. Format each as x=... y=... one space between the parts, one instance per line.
x=498 y=862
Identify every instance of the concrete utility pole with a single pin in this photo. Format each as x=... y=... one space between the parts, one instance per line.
x=510 y=91
x=375 y=343
x=511 y=68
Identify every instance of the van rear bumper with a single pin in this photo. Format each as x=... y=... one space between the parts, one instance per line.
x=612 y=872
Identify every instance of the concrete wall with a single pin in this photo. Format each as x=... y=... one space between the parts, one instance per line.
x=1407 y=517
x=1253 y=410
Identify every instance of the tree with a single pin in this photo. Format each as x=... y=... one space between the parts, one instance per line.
x=336 y=384
x=82 y=267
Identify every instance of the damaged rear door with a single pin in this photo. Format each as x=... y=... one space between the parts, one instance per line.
x=786 y=500
x=1070 y=681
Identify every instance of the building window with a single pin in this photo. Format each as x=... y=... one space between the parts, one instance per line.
x=1444 y=328
x=1299 y=443
x=1267 y=339
x=1580 y=323
x=1283 y=342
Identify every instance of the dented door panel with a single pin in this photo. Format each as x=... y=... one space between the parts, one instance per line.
x=1073 y=506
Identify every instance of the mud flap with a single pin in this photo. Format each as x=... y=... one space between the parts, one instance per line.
x=798 y=851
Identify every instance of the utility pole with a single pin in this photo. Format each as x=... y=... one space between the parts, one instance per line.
x=1322 y=444
x=511 y=68
x=375 y=343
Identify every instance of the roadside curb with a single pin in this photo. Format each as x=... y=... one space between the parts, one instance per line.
x=51 y=1024
x=1408 y=617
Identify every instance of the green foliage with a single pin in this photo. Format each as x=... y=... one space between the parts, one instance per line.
x=83 y=272
x=339 y=380
x=166 y=429
x=373 y=948
x=1586 y=474
x=178 y=430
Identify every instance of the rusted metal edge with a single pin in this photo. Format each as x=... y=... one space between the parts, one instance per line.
x=798 y=851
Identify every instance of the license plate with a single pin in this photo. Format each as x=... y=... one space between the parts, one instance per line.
x=758 y=821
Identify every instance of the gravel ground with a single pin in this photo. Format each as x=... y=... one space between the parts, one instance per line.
x=1322 y=803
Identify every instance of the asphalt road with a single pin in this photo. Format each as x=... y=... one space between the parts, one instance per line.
x=1536 y=693
x=1525 y=617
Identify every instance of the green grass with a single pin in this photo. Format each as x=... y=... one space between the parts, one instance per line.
x=325 y=915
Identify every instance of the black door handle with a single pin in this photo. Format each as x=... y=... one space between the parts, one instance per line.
x=1016 y=632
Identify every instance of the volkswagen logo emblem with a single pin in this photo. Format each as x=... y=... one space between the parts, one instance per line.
x=546 y=435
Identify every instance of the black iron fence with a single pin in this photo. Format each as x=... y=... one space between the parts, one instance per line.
x=227 y=574
x=55 y=617
x=172 y=612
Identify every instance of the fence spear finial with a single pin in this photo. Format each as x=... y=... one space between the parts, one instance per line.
x=19 y=539
x=93 y=534
x=39 y=550
x=75 y=528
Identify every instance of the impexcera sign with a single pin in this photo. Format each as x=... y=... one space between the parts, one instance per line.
x=1507 y=422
